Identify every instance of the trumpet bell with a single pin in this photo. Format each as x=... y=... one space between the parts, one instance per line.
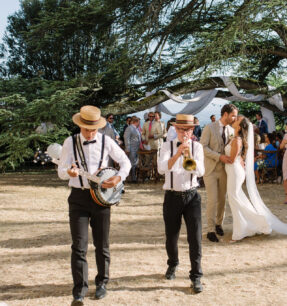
x=189 y=164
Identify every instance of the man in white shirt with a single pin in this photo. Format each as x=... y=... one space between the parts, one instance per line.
x=82 y=208
x=181 y=197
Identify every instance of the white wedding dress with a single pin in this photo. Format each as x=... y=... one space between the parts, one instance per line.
x=250 y=217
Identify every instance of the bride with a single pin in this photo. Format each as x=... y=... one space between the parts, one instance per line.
x=250 y=217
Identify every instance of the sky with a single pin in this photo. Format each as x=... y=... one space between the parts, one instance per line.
x=9 y=7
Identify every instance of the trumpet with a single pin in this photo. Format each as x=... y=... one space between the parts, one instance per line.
x=189 y=164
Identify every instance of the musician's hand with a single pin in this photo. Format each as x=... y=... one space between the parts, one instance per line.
x=182 y=148
x=73 y=171
x=111 y=182
x=225 y=159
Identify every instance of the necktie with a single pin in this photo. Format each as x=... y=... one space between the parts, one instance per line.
x=86 y=142
x=150 y=125
x=178 y=143
x=223 y=135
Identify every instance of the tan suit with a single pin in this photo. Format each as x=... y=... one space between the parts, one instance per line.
x=156 y=130
x=215 y=175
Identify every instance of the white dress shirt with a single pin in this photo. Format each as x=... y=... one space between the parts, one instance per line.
x=92 y=153
x=171 y=133
x=181 y=177
x=221 y=129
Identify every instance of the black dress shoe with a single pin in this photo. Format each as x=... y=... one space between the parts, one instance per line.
x=170 y=272
x=77 y=302
x=212 y=237
x=219 y=230
x=101 y=291
x=196 y=285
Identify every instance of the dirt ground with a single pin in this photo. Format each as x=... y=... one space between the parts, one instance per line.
x=35 y=251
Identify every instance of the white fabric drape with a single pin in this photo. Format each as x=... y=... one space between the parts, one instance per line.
x=203 y=97
x=200 y=100
x=268 y=116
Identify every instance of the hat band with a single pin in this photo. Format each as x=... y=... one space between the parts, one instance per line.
x=89 y=122
x=184 y=121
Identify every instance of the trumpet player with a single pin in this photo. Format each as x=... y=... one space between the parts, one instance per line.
x=181 y=160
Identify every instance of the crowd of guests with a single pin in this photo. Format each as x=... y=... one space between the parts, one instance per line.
x=152 y=133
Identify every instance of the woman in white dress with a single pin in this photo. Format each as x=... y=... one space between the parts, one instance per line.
x=250 y=217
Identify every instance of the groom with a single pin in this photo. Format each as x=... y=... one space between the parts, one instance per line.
x=213 y=139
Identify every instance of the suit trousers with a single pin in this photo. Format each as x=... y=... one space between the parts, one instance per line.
x=83 y=211
x=133 y=156
x=215 y=184
x=187 y=205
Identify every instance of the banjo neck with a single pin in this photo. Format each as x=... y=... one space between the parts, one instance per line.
x=83 y=173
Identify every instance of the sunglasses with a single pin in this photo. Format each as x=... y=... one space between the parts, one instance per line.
x=111 y=118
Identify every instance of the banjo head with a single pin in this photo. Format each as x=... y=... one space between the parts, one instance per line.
x=109 y=196
x=54 y=150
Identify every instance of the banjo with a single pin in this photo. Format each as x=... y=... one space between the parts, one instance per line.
x=106 y=197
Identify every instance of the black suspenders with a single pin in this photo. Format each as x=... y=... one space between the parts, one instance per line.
x=77 y=145
x=76 y=160
x=171 y=173
x=171 y=154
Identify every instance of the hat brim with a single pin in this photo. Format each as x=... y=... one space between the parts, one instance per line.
x=100 y=123
x=184 y=124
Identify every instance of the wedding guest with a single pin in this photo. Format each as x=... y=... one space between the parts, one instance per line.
x=151 y=133
x=212 y=118
x=132 y=144
x=157 y=117
x=269 y=159
x=283 y=145
x=109 y=129
x=197 y=129
x=261 y=123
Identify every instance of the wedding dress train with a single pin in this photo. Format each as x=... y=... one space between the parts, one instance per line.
x=250 y=217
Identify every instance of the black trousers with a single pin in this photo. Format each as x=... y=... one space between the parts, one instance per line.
x=188 y=205
x=83 y=211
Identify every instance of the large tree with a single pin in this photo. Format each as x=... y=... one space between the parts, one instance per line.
x=111 y=52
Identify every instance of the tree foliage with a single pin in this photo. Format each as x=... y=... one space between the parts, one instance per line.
x=109 y=53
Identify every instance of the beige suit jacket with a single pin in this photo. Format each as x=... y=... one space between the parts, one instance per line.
x=156 y=130
x=213 y=146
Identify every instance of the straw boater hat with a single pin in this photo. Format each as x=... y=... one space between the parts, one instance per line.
x=184 y=120
x=89 y=117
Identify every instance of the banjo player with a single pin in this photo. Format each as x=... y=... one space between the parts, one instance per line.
x=91 y=153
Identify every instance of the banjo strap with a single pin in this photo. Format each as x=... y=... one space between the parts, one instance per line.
x=77 y=146
x=76 y=160
x=102 y=151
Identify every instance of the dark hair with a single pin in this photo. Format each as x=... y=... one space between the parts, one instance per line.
x=228 y=108
x=279 y=135
x=212 y=116
x=271 y=138
x=159 y=113
x=128 y=117
x=259 y=114
x=243 y=133
x=135 y=119
x=108 y=115
x=262 y=136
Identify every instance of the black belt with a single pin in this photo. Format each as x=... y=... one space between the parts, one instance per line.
x=185 y=192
